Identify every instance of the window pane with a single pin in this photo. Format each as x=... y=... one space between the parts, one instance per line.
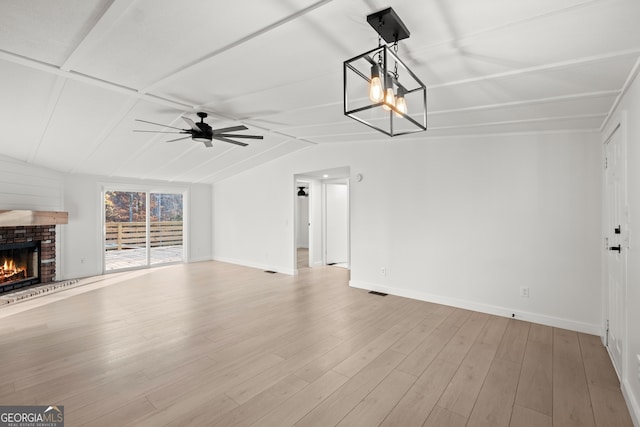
x=125 y=223
x=166 y=228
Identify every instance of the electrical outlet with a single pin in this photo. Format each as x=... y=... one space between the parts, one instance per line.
x=81 y=260
x=383 y=271
x=524 y=292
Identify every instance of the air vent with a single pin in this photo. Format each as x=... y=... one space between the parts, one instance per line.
x=270 y=271
x=380 y=294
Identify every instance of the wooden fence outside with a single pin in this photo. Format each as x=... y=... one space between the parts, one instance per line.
x=128 y=235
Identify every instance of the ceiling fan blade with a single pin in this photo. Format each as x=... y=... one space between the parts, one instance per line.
x=158 y=124
x=230 y=141
x=208 y=144
x=229 y=135
x=229 y=129
x=179 y=139
x=156 y=131
x=191 y=124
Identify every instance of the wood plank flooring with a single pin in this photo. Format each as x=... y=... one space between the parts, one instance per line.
x=217 y=344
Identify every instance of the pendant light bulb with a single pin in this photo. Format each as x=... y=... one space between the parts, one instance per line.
x=389 y=99
x=376 y=92
x=401 y=103
x=389 y=96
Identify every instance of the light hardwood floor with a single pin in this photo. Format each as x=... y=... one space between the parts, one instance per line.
x=217 y=344
x=302 y=258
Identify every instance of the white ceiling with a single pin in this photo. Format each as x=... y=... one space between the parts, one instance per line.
x=76 y=73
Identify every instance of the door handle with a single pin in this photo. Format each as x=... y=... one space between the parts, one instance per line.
x=615 y=248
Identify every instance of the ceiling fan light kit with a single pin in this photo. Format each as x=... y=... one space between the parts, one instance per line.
x=203 y=132
x=379 y=89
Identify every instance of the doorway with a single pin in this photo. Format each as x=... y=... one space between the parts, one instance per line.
x=302 y=224
x=325 y=232
x=616 y=241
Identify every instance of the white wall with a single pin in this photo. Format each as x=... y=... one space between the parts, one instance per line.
x=462 y=221
x=631 y=364
x=200 y=224
x=82 y=237
x=24 y=186
x=254 y=220
x=473 y=220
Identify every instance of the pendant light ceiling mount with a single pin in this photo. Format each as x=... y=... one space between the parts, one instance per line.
x=388 y=25
x=387 y=80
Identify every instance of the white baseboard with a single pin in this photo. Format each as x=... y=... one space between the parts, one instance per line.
x=542 y=319
x=633 y=403
x=265 y=267
x=200 y=259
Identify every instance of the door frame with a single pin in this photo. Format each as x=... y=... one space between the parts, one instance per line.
x=618 y=127
x=297 y=219
x=316 y=180
x=109 y=186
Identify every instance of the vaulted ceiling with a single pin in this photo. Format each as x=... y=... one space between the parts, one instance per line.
x=74 y=74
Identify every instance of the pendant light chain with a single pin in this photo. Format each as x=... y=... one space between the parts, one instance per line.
x=380 y=42
x=395 y=69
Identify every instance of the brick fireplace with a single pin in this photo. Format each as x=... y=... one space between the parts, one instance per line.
x=28 y=248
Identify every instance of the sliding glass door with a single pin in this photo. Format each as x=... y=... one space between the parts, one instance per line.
x=142 y=229
x=165 y=228
x=125 y=229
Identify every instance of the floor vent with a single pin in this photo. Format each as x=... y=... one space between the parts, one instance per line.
x=270 y=271
x=332 y=263
x=380 y=294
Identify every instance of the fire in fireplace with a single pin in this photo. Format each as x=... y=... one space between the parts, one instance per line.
x=9 y=271
x=19 y=265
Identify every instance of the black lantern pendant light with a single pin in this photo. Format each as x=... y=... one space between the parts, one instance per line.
x=397 y=100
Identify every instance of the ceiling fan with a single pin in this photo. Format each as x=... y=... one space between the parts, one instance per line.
x=202 y=132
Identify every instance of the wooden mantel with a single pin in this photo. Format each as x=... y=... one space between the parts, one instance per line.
x=17 y=218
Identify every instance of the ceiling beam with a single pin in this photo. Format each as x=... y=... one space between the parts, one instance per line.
x=211 y=177
x=53 y=99
x=225 y=152
x=152 y=140
x=545 y=67
x=94 y=81
x=563 y=98
x=520 y=121
x=199 y=62
x=368 y=131
x=525 y=103
x=627 y=84
x=97 y=142
x=458 y=40
x=113 y=11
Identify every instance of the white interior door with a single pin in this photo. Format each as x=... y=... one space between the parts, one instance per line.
x=337 y=223
x=615 y=232
x=302 y=234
